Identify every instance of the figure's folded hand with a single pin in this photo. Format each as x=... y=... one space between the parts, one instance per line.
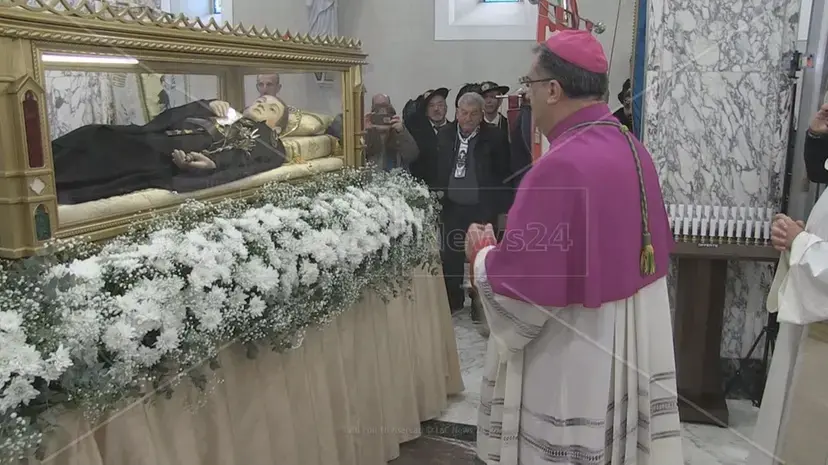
x=179 y=158
x=220 y=108
x=192 y=161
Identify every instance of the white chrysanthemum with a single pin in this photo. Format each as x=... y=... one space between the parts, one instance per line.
x=19 y=391
x=308 y=273
x=256 y=306
x=10 y=322
x=89 y=269
x=207 y=307
x=119 y=336
x=57 y=363
x=254 y=273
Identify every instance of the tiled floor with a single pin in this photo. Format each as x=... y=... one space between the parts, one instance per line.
x=429 y=450
x=703 y=445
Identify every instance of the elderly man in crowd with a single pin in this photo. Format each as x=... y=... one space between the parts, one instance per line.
x=472 y=163
x=388 y=144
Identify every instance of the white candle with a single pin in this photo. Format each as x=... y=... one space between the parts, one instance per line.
x=731 y=228
x=749 y=229
x=685 y=228
x=757 y=231
x=740 y=226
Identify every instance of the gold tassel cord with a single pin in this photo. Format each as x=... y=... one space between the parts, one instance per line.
x=647 y=256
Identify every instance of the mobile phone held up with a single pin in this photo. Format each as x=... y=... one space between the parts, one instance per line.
x=382 y=115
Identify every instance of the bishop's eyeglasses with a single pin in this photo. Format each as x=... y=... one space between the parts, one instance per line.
x=526 y=81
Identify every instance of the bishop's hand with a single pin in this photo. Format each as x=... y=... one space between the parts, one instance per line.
x=192 y=161
x=220 y=108
x=478 y=237
x=819 y=125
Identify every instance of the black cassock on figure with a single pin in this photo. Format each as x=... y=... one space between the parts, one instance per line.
x=99 y=161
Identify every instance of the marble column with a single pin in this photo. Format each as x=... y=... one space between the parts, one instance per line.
x=716 y=121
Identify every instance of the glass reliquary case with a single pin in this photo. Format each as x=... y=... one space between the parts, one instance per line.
x=116 y=114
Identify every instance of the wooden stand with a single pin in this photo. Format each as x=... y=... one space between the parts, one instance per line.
x=700 y=296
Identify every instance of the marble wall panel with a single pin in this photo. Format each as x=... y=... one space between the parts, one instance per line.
x=78 y=98
x=716 y=119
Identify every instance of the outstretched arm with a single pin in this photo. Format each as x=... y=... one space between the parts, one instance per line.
x=407 y=146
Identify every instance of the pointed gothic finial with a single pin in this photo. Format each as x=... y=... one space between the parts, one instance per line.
x=213 y=25
x=198 y=24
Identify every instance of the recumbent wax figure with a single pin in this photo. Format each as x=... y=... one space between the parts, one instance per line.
x=195 y=146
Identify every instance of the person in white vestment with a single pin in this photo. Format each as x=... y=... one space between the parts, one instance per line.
x=580 y=367
x=794 y=417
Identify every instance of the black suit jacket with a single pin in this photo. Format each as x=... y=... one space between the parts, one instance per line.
x=816 y=157
x=521 y=146
x=491 y=161
x=425 y=166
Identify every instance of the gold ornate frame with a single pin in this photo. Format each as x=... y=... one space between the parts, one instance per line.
x=28 y=28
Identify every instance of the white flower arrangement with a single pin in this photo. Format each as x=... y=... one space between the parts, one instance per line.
x=94 y=326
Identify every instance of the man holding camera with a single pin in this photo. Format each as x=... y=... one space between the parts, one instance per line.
x=388 y=144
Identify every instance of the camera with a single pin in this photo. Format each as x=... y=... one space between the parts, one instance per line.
x=382 y=115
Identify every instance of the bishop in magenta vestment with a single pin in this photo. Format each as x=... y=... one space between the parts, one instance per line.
x=580 y=366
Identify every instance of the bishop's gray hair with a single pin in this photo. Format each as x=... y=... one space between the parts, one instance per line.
x=471 y=99
x=575 y=82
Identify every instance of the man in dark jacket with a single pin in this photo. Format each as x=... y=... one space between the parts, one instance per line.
x=473 y=162
x=423 y=117
x=521 y=142
x=816 y=147
x=492 y=94
x=624 y=114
